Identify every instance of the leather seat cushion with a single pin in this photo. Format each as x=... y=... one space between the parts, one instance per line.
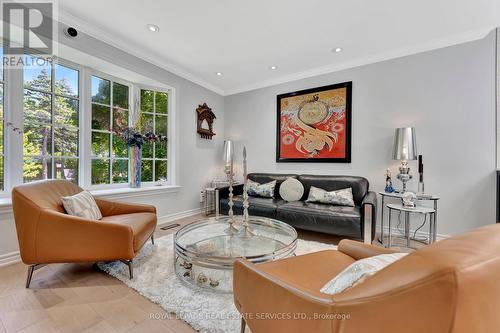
x=142 y=224
x=309 y=272
x=265 y=207
x=339 y=220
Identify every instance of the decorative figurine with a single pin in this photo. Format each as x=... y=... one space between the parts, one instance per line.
x=409 y=199
x=388 y=182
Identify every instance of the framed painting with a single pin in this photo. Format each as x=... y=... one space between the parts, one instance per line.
x=314 y=125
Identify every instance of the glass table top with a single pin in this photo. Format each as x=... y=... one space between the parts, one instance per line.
x=211 y=238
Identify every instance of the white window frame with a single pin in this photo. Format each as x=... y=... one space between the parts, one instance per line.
x=88 y=180
x=168 y=91
x=81 y=72
x=14 y=113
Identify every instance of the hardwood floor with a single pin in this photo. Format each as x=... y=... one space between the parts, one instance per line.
x=69 y=298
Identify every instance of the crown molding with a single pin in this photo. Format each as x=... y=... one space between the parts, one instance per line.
x=425 y=47
x=101 y=34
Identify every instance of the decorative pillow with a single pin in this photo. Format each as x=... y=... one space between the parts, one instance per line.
x=261 y=190
x=82 y=205
x=358 y=271
x=291 y=190
x=338 y=198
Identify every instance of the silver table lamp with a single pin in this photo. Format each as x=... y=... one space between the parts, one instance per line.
x=228 y=159
x=404 y=150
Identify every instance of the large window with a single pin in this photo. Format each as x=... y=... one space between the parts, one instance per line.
x=51 y=122
x=63 y=120
x=154 y=119
x=2 y=124
x=110 y=112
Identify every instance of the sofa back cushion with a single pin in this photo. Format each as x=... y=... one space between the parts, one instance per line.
x=359 y=185
x=263 y=178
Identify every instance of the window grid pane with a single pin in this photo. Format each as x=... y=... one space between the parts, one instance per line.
x=51 y=123
x=110 y=102
x=154 y=118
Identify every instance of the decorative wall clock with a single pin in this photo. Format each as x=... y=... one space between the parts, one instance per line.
x=205 y=121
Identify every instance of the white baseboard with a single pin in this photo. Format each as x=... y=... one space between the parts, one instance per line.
x=10 y=258
x=15 y=257
x=162 y=220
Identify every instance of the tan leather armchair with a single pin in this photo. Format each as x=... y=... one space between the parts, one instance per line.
x=46 y=234
x=450 y=286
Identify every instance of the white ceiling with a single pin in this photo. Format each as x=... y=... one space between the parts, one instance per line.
x=242 y=39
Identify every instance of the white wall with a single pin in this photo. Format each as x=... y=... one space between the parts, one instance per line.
x=197 y=159
x=447 y=94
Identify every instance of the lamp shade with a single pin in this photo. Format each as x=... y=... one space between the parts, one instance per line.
x=228 y=152
x=405 y=144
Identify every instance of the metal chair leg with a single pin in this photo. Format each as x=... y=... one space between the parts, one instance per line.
x=243 y=325
x=31 y=269
x=130 y=265
x=153 y=238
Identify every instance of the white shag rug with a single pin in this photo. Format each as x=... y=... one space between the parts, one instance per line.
x=155 y=279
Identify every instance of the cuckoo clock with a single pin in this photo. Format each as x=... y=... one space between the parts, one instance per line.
x=205 y=121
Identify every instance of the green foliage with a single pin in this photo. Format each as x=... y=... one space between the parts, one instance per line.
x=38 y=138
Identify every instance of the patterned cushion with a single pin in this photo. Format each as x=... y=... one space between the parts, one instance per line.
x=358 y=271
x=82 y=205
x=261 y=190
x=338 y=198
x=291 y=190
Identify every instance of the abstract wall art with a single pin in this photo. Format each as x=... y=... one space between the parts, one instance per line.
x=314 y=125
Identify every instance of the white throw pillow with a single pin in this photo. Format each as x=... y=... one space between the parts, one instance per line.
x=82 y=205
x=291 y=190
x=339 y=198
x=358 y=271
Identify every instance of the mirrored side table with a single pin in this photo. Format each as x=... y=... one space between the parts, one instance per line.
x=398 y=197
x=426 y=211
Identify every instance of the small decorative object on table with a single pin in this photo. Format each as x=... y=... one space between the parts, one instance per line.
x=405 y=149
x=421 y=188
x=388 y=182
x=409 y=199
x=134 y=141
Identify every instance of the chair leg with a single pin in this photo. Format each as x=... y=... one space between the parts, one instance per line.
x=153 y=238
x=31 y=269
x=243 y=325
x=130 y=265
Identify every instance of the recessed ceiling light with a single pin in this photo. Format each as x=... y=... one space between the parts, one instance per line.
x=153 y=28
x=337 y=49
x=219 y=73
x=273 y=67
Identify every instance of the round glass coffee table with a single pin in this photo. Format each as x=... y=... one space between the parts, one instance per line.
x=205 y=250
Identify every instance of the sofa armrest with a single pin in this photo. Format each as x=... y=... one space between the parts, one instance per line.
x=358 y=250
x=369 y=216
x=65 y=238
x=109 y=207
x=257 y=293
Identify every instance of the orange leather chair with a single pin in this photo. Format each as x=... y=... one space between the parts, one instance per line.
x=47 y=235
x=450 y=286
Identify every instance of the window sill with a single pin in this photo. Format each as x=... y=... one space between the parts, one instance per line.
x=115 y=193
x=127 y=192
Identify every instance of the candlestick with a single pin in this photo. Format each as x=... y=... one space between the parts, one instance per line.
x=245 y=230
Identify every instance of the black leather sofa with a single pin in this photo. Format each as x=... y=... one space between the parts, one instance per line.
x=336 y=220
